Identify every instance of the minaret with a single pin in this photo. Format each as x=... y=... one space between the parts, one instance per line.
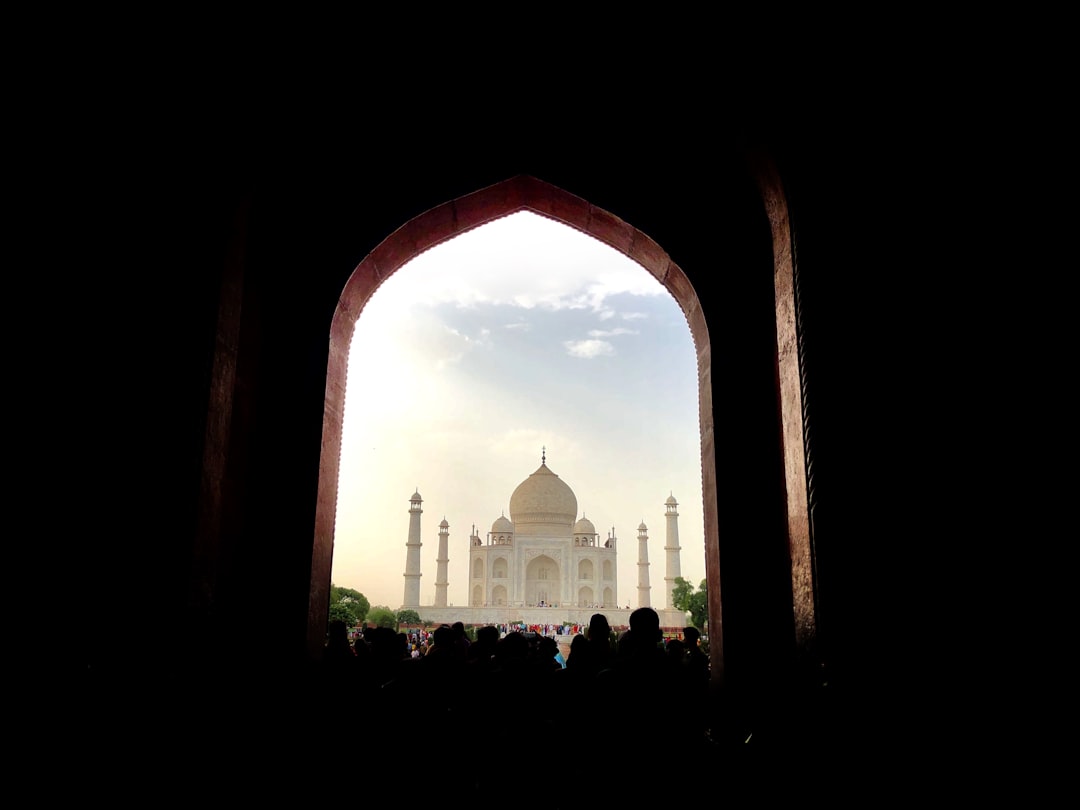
x=442 y=560
x=643 y=566
x=671 y=547
x=412 y=558
x=614 y=585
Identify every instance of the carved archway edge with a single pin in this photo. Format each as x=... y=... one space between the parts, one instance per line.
x=438 y=225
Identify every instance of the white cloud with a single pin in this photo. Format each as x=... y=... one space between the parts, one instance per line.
x=550 y=266
x=588 y=348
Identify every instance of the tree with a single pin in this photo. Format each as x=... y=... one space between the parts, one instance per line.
x=339 y=611
x=382 y=616
x=351 y=601
x=696 y=603
x=408 y=616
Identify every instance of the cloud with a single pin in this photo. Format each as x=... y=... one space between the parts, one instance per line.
x=524 y=260
x=588 y=349
x=600 y=333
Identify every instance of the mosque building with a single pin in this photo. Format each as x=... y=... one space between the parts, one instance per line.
x=543 y=565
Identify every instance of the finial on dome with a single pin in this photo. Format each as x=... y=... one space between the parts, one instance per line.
x=543 y=456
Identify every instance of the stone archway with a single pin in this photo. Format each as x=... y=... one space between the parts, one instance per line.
x=457 y=216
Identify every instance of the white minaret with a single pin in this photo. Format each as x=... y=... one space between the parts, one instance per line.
x=643 y=566
x=412 y=558
x=671 y=547
x=614 y=541
x=442 y=560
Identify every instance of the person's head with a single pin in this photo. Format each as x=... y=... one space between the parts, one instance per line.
x=487 y=636
x=443 y=636
x=645 y=626
x=384 y=643
x=547 y=648
x=691 y=635
x=512 y=649
x=599 y=629
x=577 y=642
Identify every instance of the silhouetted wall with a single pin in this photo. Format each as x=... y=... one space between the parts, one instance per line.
x=255 y=252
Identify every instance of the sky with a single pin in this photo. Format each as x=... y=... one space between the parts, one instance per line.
x=518 y=338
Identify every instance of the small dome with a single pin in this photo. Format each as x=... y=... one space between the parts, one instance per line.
x=584 y=526
x=671 y=501
x=444 y=524
x=642 y=527
x=502 y=526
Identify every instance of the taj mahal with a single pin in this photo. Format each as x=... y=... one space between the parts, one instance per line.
x=543 y=564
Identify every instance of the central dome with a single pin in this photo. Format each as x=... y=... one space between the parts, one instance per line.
x=543 y=499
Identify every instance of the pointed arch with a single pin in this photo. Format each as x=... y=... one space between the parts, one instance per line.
x=524 y=193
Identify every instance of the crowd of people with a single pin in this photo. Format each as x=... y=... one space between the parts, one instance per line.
x=508 y=694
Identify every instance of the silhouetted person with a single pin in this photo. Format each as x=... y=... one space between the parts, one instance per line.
x=361 y=648
x=598 y=652
x=578 y=644
x=696 y=659
x=482 y=651
x=645 y=684
x=461 y=640
x=387 y=654
x=339 y=668
x=444 y=649
x=511 y=664
x=338 y=653
x=675 y=649
x=546 y=663
x=696 y=691
x=362 y=652
x=573 y=679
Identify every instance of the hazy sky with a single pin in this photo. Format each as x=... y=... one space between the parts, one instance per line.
x=520 y=335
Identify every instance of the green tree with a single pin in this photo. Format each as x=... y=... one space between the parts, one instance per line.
x=382 y=616
x=408 y=616
x=352 y=601
x=342 y=612
x=696 y=603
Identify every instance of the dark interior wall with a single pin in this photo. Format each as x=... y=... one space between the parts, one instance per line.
x=874 y=268
x=307 y=233
x=286 y=236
